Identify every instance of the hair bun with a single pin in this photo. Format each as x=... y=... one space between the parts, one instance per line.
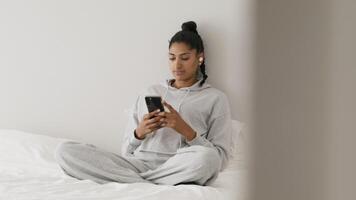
x=190 y=26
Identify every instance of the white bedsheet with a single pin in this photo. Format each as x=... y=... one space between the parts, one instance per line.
x=28 y=171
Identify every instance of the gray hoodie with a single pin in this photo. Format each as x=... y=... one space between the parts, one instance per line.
x=204 y=108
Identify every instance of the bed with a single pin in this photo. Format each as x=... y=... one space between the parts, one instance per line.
x=28 y=171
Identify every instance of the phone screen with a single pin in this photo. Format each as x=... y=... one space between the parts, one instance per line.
x=153 y=103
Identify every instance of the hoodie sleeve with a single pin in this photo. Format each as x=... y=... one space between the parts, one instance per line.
x=219 y=135
x=130 y=142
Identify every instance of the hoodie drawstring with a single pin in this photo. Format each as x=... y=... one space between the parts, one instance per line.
x=179 y=105
x=165 y=94
x=178 y=109
x=181 y=101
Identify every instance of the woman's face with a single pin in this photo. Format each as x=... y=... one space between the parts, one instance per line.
x=184 y=62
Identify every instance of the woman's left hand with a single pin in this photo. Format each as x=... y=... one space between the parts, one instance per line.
x=173 y=120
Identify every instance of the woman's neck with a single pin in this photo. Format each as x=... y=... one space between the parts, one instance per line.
x=182 y=84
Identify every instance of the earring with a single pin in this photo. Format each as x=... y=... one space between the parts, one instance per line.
x=200 y=60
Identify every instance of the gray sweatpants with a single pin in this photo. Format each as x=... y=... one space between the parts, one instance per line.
x=194 y=164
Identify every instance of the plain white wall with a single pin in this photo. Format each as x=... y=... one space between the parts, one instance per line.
x=71 y=68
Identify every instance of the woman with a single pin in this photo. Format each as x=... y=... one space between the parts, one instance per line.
x=188 y=143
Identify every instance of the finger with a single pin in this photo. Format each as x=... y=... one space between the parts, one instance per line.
x=153 y=120
x=153 y=123
x=168 y=116
x=151 y=114
x=166 y=124
x=146 y=116
x=153 y=126
x=162 y=114
x=170 y=108
x=163 y=125
x=166 y=120
x=163 y=120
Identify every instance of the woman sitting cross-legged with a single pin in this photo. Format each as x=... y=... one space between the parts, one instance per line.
x=189 y=142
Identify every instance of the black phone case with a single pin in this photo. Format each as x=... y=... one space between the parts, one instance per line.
x=153 y=103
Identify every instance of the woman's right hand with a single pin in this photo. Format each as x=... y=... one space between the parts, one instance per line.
x=148 y=124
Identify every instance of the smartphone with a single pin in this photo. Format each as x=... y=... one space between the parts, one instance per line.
x=153 y=103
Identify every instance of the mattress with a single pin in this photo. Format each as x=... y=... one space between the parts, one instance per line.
x=28 y=171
